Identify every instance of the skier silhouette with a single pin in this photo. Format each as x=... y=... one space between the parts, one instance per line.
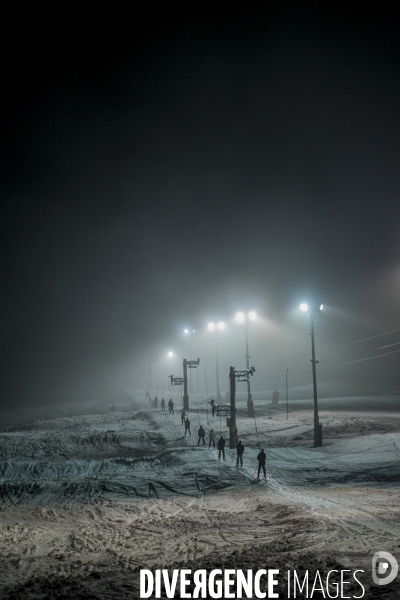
x=261 y=463
x=211 y=438
x=239 y=450
x=221 y=447
x=201 y=434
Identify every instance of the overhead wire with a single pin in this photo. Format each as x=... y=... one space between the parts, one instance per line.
x=340 y=346
x=347 y=356
x=372 y=337
x=280 y=368
x=205 y=377
x=371 y=357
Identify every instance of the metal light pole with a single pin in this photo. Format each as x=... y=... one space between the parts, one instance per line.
x=151 y=360
x=242 y=375
x=216 y=367
x=312 y=312
x=185 y=386
x=247 y=366
x=317 y=441
x=212 y=327
x=191 y=364
x=188 y=333
x=287 y=396
x=240 y=318
x=232 y=389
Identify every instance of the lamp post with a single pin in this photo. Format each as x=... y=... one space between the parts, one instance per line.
x=188 y=333
x=151 y=360
x=242 y=375
x=287 y=395
x=212 y=327
x=187 y=364
x=312 y=313
x=241 y=318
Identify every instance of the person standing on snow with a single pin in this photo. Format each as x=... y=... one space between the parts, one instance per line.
x=239 y=450
x=201 y=434
x=262 y=457
x=221 y=447
x=155 y=402
x=212 y=438
x=171 y=407
x=187 y=426
x=212 y=407
x=183 y=416
x=162 y=404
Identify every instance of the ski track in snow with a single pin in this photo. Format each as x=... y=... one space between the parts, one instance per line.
x=122 y=490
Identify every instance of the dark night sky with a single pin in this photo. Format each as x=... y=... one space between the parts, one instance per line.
x=166 y=170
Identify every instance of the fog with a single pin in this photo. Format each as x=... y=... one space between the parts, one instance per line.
x=169 y=176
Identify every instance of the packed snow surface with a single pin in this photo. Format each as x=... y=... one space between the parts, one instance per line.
x=139 y=453
x=89 y=494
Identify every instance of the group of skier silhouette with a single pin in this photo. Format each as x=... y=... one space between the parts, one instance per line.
x=201 y=434
x=261 y=457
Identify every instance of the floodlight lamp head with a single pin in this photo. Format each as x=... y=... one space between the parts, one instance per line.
x=186 y=331
x=321 y=306
x=304 y=307
x=211 y=326
x=221 y=325
x=240 y=317
x=252 y=315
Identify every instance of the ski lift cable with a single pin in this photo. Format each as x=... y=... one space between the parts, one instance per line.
x=371 y=357
x=347 y=356
x=280 y=368
x=357 y=354
x=299 y=372
x=361 y=340
x=342 y=345
x=198 y=416
x=255 y=423
x=372 y=337
x=352 y=362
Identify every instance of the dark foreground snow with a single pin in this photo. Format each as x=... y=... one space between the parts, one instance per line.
x=89 y=498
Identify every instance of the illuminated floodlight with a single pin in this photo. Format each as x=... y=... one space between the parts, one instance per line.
x=221 y=325
x=240 y=317
x=321 y=307
x=211 y=326
x=304 y=307
x=252 y=315
x=170 y=354
x=193 y=330
x=186 y=331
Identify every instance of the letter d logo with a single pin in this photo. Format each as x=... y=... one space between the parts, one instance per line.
x=380 y=566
